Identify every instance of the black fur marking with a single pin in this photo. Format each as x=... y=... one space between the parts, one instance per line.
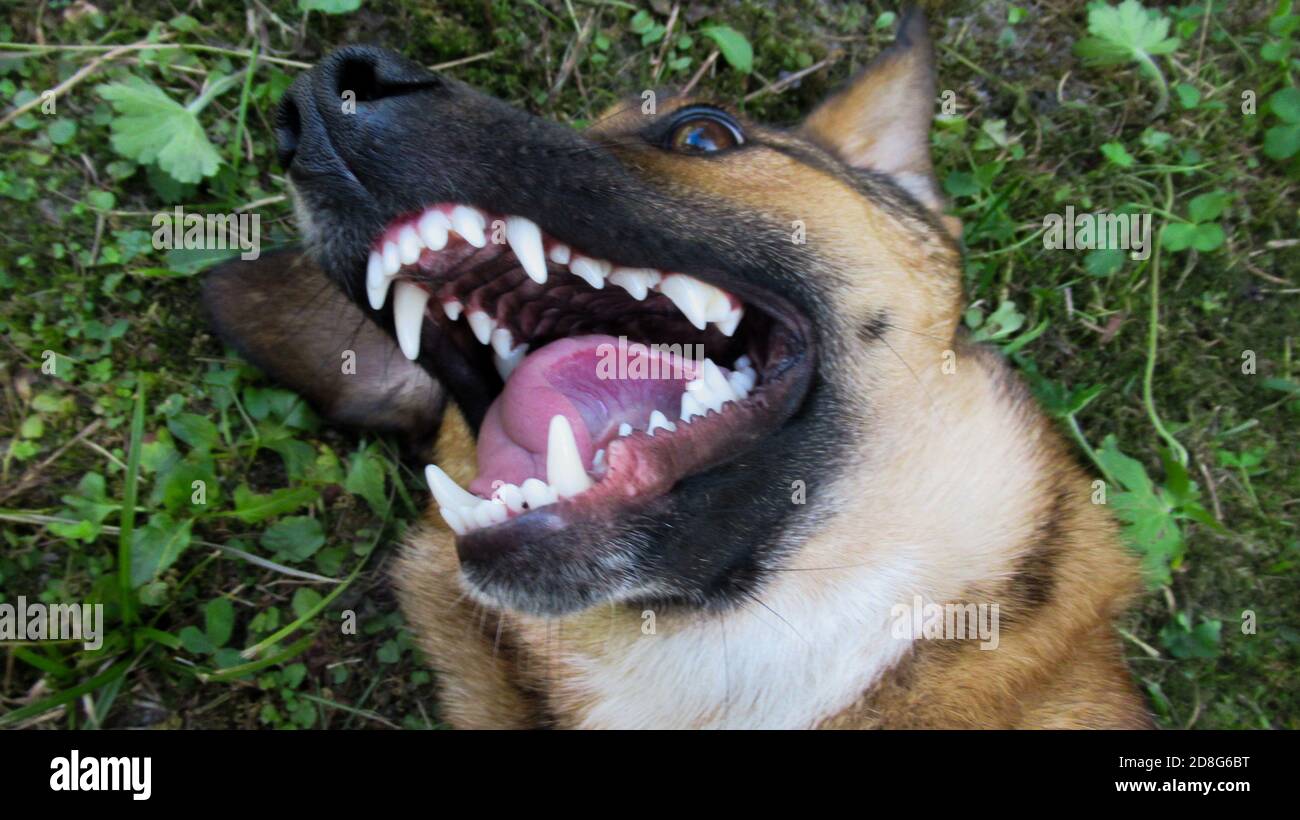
x=1034 y=581
x=873 y=330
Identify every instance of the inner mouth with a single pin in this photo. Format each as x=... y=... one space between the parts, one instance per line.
x=618 y=381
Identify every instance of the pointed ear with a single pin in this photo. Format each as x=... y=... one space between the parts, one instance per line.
x=881 y=120
x=284 y=315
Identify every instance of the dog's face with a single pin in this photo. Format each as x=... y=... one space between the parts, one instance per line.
x=470 y=229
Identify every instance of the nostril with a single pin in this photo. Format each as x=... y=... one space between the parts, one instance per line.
x=288 y=129
x=357 y=75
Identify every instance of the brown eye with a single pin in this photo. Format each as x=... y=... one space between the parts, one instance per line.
x=704 y=132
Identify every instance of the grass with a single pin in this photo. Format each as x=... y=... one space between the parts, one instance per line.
x=258 y=540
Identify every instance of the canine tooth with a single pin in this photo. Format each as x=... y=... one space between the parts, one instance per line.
x=537 y=493
x=506 y=364
x=408 y=245
x=593 y=271
x=525 y=240
x=454 y=520
x=377 y=281
x=392 y=259
x=689 y=295
x=511 y=496
x=728 y=325
x=658 y=421
x=447 y=492
x=452 y=309
x=502 y=342
x=564 y=470
x=625 y=429
x=408 y=317
x=560 y=253
x=636 y=281
x=717 y=382
x=469 y=223
x=433 y=227
x=482 y=325
x=598 y=459
x=691 y=407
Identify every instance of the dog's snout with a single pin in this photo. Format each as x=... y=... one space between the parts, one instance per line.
x=342 y=95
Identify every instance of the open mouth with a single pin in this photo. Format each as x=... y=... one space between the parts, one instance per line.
x=611 y=383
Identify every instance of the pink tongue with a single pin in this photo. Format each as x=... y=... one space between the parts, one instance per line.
x=589 y=381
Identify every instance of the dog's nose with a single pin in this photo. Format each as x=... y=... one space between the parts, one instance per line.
x=342 y=98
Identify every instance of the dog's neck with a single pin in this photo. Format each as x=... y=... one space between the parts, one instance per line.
x=938 y=504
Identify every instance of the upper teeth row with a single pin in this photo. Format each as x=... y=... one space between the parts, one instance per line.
x=700 y=302
x=565 y=476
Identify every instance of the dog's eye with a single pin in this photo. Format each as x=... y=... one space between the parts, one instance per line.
x=703 y=132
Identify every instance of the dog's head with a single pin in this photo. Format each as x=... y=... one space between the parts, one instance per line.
x=804 y=263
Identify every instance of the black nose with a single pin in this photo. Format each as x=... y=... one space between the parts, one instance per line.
x=342 y=95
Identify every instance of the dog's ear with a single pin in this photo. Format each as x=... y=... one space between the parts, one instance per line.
x=881 y=120
x=285 y=316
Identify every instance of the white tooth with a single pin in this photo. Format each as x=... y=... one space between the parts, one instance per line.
x=454 y=520
x=560 y=253
x=408 y=317
x=506 y=364
x=636 y=281
x=625 y=429
x=689 y=295
x=691 y=407
x=447 y=492
x=593 y=271
x=452 y=309
x=704 y=395
x=717 y=382
x=377 y=281
x=433 y=227
x=511 y=496
x=392 y=259
x=537 y=493
x=658 y=421
x=482 y=325
x=525 y=240
x=469 y=223
x=485 y=513
x=564 y=470
x=502 y=342
x=744 y=362
x=598 y=459
x=408 y=245
x=728 y=325
x=741 y=382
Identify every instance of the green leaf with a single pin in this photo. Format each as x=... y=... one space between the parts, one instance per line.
x=252 y=508
x=1282 y=141
x=152 y=127
x=196 y=641
x=1286 y=104
x=1207 y=207
x=1103 y=262
x=329 y=6
x=733 y=45
x=219 y=620
x=304 y=600
x=61 y=131
x=1118 y=154
x=197 y=431
x=295 y=538
x=156 y=546
x=1178 y=236
x=1124 y=33
x=366 y=479
x=1188 y=95
x=1208 y=237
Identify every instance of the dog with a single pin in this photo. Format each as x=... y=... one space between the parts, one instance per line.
x=624 y=533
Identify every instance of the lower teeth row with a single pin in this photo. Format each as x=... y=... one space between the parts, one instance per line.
x=565 y=476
